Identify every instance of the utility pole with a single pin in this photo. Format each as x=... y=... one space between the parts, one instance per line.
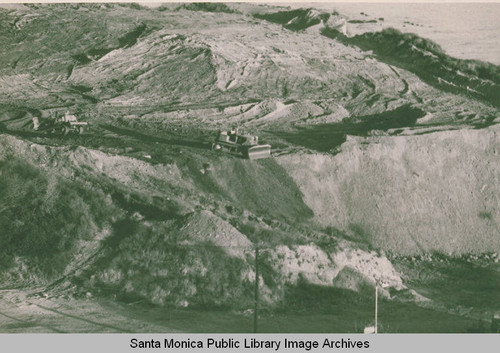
x=256 y=289
x=376 y=307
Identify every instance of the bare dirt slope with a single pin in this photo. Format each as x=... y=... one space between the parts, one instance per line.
x=375 y=168
x=409 y=194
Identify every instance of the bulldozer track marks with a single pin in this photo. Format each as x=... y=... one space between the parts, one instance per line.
x=119 y=329
x=29 y=323
x=94 y=326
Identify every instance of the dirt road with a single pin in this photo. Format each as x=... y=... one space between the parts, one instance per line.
x=32 y=312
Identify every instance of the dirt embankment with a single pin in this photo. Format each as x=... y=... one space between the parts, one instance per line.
x=408 y=194
x=180 y=233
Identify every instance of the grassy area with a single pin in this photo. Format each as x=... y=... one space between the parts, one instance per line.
x=306 y=309
x=340 y=318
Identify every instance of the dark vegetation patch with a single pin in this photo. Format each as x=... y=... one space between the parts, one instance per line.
x=149 y=138
x=89 y=98
x=81 y=58
x=428 y=60
x=282 y=17
x=81 y=88
x=207 y=7
x=132 y=5
x=130 y=38
x=43 y=216
x=150 y=209
x=327 y=137
x=304 y=297
x=468 y=281
x=362 y=21
x=294 y=20
x=486 y=122
x=356 y=311
x=125 y=41
x=97 y=53
x=486 y=215
x=412 y=24
x=278 y=233
x=150 y=263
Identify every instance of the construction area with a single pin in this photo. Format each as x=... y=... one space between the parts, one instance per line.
x=241 y=168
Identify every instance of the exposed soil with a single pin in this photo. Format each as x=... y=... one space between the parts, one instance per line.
x=138 y=225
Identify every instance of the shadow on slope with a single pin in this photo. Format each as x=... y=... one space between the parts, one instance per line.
x=262 y=187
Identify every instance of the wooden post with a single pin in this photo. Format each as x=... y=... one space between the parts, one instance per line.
x=376 y=307
x=256 y=289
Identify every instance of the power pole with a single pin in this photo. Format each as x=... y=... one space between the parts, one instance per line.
x=376 y=307
x=256 y=289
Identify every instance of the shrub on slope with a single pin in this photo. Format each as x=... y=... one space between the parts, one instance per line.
x=207 y=7
x=429 y=61
x=195 y=260
x=295 y=20
x=42 y=217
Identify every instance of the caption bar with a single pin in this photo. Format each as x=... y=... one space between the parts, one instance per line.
x=249 y=343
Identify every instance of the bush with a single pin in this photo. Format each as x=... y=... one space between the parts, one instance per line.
x=429 y=61
x=148 y=262
x=294 y=20
x=42 y=216
x=132 y=5
x=207 y=7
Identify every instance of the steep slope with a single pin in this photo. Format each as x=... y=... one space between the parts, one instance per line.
x=408 y=194
x=93 y=212
x=371 y=157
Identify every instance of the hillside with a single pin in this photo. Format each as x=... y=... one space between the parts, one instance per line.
x=384 y=157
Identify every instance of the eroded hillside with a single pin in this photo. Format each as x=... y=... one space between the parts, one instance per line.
x=374 y=170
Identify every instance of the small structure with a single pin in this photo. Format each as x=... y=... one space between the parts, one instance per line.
x=65 y=124
x=245 y=145
x=369 y=329
x=495 y=322
x=36 y=123
x=69 y=118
